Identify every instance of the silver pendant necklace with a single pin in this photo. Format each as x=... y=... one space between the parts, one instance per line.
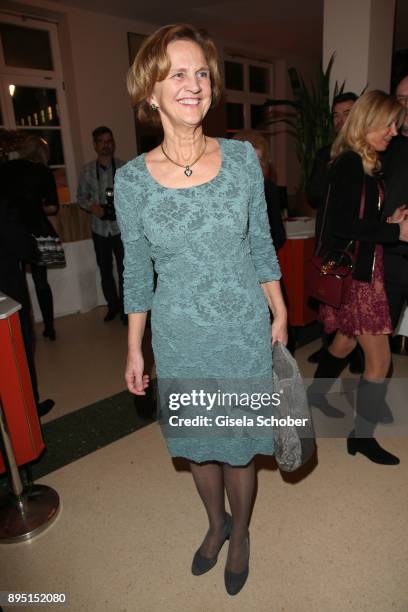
x=187 y=168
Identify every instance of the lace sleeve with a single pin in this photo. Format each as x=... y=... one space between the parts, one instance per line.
x=138 y=266
x=262 y=250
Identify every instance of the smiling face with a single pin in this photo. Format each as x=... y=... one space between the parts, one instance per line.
x=381 y=137
x=184 y=96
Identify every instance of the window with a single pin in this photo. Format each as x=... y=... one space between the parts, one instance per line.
x=248 y=84
x=26 y=47
x=234 y=76
x=259 y=79
x=32 y=92
x=235 y=116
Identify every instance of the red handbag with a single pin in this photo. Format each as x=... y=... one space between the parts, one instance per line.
x=328 y=277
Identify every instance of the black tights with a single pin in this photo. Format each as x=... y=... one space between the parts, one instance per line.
x=239 y=482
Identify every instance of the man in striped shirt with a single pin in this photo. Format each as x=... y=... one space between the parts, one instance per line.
x=96 y=177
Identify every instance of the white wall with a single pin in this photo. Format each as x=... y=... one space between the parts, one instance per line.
x=361 y=35
x=381 y=44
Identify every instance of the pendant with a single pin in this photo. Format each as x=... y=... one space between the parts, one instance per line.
x=188 y=171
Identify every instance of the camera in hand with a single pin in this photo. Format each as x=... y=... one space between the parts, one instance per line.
x=109 y=207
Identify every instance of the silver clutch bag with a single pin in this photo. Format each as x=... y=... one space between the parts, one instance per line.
x=294 y=436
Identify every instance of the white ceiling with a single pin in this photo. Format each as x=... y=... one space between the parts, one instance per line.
x=289 y=26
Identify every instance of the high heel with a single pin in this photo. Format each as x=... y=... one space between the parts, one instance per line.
x=202 y=564
x=234 y=582
x=44 y=407
x=49 y=332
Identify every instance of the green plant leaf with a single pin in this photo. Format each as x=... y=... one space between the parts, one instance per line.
x=309 y=121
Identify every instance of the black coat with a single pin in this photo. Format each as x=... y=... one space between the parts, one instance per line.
x=318 y=182
x=342 y=224
x=274 y=214
x=24 y=187
x=16 y=246
x=317 y=185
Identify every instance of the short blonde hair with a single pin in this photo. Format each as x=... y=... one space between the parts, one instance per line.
x=152 y=64
x=373 y=110
x=35 y=149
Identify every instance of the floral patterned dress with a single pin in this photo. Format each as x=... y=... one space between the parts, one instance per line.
x=365 y=309
x=211 y=247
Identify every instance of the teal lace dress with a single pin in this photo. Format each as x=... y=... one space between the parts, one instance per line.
x=211 y=248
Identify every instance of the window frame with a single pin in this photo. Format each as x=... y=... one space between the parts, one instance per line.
x=245 y=96
x=48 y=79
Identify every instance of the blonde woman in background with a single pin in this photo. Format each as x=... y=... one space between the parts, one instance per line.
x=364 y=316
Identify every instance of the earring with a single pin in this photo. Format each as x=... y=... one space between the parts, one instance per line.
x=154 y=107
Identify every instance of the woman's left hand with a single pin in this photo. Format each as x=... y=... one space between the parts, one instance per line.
x=280 y=330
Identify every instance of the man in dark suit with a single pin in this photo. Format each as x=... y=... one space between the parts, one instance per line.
x=318 y=183
x=395 y=166
x=19 y=181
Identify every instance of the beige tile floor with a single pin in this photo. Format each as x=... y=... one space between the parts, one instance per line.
x=333 y=540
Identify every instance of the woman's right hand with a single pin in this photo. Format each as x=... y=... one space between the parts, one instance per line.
x=136 y=381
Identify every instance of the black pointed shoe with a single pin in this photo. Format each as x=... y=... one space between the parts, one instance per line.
x=111 y=314
x=49 y=332
x=201 y=564
x=370 y=448
x=234 y=582
x=45 y=407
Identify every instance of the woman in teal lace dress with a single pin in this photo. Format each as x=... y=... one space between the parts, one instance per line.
x=194 y=208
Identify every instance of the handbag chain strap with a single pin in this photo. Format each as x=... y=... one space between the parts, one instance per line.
x=322 y=226
x=361 y=211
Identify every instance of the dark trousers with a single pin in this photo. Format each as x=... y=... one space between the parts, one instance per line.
x=105 y=247
x=44 y=294
x=27 y=332
x=396 y=284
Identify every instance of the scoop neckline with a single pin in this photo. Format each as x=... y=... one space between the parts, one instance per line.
x=156 y=182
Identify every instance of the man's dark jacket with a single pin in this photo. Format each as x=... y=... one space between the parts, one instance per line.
x=317 y=185
x=395 y=167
